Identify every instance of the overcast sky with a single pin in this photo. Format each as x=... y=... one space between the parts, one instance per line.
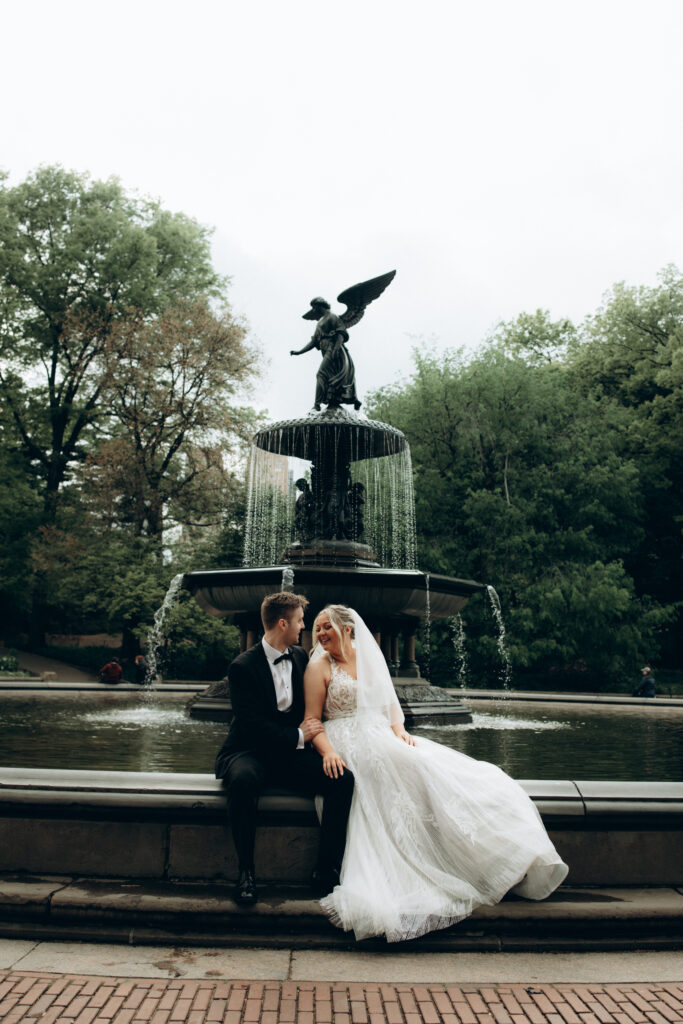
x=501 y=156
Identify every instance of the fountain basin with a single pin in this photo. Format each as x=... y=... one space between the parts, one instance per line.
x=381 y=596
x=391 y=601
x=349 y=435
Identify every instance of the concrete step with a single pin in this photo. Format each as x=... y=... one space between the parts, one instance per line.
x=204 y=914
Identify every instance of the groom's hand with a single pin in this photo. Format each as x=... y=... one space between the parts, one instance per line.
x=310 y=727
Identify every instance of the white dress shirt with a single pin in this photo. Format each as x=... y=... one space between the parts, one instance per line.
x=282 y=680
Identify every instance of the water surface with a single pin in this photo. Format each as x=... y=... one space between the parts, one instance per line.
x=574 y=741
x=137 y=732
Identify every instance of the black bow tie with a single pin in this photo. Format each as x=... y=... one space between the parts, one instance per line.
x=287 y=656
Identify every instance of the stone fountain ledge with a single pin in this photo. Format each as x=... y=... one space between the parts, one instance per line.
x=566 y=698
x=147 y=857
x=22 y=684
x=19 y=685
x=159 y=825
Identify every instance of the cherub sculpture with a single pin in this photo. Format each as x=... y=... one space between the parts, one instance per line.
x=336 y=377
x=304 y=511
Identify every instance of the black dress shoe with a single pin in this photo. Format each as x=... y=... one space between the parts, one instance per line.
x=245 y=890
x=323 y=881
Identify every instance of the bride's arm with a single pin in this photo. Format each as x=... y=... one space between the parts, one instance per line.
x=399 y=730
x=316 y=681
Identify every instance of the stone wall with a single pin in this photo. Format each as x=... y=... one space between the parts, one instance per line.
x=142 y=825
x=84 y=640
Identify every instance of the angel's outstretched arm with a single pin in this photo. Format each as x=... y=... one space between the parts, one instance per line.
x=306 y=348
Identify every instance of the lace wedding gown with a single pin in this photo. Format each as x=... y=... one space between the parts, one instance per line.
x=432 y=833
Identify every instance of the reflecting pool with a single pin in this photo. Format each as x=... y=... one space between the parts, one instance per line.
x=134 y=732
x=572 y=741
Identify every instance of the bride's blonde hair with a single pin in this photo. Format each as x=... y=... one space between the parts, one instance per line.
x=340 y=616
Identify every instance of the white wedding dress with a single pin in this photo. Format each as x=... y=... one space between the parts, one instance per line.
x=432 y=833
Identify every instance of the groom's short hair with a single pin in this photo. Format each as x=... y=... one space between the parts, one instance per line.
x=280 y=606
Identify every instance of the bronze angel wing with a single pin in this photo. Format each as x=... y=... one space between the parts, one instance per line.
x=358 y=296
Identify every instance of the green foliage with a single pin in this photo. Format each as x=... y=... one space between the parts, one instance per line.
x=75 y=255
x=20 y=513
x=172 y=385
x=535 y=337
x=9 y=662
x=196 y=645
x=632 y=352
x=121 y=369
x=524 y=478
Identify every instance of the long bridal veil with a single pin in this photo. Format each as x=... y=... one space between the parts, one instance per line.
x=375 y=689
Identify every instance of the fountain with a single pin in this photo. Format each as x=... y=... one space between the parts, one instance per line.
x=349 y=534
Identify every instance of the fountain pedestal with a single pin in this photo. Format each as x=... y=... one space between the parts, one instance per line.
x=353 y=516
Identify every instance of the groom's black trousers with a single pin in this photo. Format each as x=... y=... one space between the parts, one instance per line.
x=246 y=777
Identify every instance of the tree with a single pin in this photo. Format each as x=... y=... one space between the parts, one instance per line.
x=632 y=352
x=522 y=480
x=86 y=267
x=171 y=384
x=20 y=513
x=75 y=255
x=536 y=338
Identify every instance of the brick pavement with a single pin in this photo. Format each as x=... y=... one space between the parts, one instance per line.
x=41 y=998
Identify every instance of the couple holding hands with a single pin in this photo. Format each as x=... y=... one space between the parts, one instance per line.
x=414 y=836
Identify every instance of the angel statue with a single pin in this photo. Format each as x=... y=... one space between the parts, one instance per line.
x=336 y=378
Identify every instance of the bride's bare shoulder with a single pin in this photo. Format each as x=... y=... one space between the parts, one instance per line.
x=319 y=670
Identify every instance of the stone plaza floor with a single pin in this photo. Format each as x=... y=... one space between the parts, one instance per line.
x=88 y=983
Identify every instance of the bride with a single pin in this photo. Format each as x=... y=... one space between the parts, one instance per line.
x=432 y=833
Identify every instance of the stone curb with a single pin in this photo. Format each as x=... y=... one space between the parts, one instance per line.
x=540 y=696
x=35 y=685
x=201 y=914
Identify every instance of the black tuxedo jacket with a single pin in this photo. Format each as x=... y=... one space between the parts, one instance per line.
x=257 y=725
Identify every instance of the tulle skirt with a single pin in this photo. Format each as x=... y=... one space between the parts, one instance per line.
x=432 y=835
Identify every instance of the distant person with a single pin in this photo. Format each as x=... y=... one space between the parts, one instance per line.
x=140 y=669
x=647 y=686
x=111 y=672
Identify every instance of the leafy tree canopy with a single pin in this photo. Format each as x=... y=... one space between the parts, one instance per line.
x=75 y=255
x=631 y=352
x=525 y=480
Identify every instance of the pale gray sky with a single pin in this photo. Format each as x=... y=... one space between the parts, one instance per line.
x=502 y=155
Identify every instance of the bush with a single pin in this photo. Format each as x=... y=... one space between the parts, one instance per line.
x=9 y=662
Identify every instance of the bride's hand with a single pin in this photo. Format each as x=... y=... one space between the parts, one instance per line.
x=333 y=765
x=403 y=735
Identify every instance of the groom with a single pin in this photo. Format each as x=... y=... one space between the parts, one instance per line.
x=269 y=744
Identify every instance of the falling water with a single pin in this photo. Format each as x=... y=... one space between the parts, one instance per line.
x=506 y=668
x=388 y=513
x=428 y=629
x=457 y=628
x=271 y=499
x=156 y=633
x=390 y=508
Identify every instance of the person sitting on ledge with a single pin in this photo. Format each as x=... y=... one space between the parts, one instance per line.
x=111 y=672
x=647 y=686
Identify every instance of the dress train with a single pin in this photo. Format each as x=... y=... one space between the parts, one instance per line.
x=432 y=833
